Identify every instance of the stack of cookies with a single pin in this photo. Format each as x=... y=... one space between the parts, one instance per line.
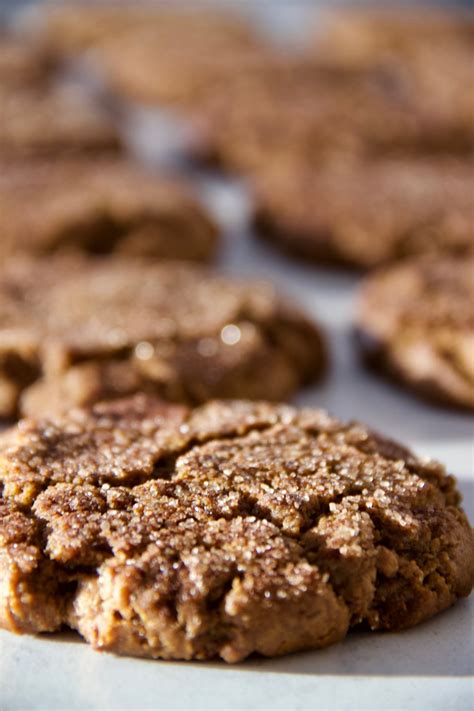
x=154 y=494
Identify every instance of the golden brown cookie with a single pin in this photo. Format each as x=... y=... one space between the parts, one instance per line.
x=368 y=39
x=415 y=322
x=380 y=82
x=155 y=54
x=189 y=72
x=318 y=119
x=68 y=28
x=231 y=529
x=76 y=331
x=369 y=213
x=46 y=121
x=422 y=56
x=21 y=63
x=100 y=206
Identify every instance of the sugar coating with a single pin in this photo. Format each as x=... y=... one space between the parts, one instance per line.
x=233 y=528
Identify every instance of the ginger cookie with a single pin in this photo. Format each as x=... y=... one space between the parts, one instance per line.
x=370 y=213
x=46 y=121
x=100 y=206
x=74 y=331
x=415 y=322
x=235 y=528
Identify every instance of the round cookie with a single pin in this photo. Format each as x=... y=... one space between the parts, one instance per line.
x=364 y=40
x=75 y=331
x=45 y=121
x=129 y=43
x=22 y=63
x=297 y=111
x=416 y=322
x=422 y=56
x=188 y=72
x=371 y=212
x=100 y=206
x=71 y=28
x=227 y=530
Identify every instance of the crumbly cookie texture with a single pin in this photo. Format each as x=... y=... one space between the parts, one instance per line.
x=416 y=322
x=45 y=121
x=231 y=529
x=74 y=331
x=100 y=205
x=371 y=213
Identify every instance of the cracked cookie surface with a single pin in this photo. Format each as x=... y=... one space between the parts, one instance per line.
x=231 y=529
x=74 y=331
x=416 y=322
x=100 y=206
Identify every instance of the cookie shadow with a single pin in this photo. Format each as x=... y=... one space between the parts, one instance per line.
x=438 y=647
x=434 y=648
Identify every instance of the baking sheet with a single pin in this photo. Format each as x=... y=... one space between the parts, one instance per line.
x=429 y=667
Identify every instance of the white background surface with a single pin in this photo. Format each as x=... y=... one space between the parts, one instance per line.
x=429 y=667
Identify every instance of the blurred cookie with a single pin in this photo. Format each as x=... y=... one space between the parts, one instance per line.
x=364 y=39
x=129 y=44
x=184 y=47
x=231 y=529
x=44 y=121
x=300 y=109
x=371 y=212
x=75 y=331
x=21 y=63
x=188 y=72
x=71 y=28
x=67 y=29
x=423 y=56
x=415 y=322
x=100 y=206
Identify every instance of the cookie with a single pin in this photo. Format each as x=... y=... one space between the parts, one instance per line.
x=369 y=213
x=231 y=529
x=76 y=331
x=100 y=206
x=312 y=114
x=42 y=121
x=184 y=47
x=128 y=44
x=21 y=63
x=71 y=28
x=423 y=56
x=361 y=40
x=415 y=322
x=188 y=72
